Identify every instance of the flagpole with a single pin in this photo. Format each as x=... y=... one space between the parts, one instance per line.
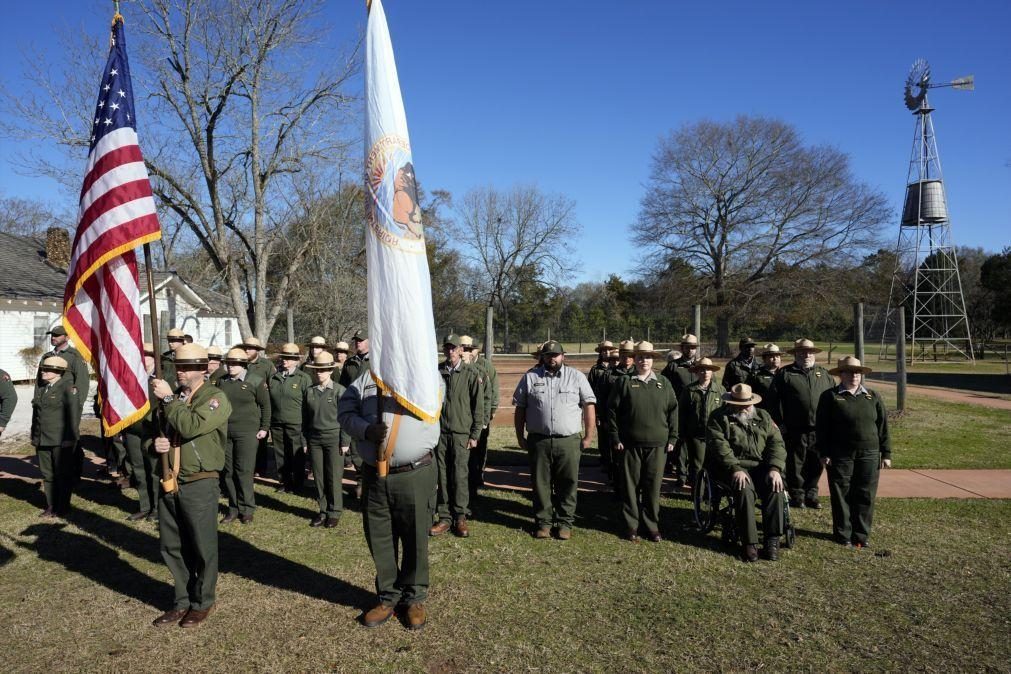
x=166 y=469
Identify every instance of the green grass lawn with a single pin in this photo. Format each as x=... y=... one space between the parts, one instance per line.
x=933 y=595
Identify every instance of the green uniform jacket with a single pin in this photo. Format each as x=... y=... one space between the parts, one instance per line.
x=763 y=382
x=463 y=405
x=168 y=367
x=642 y=413
x=262 y=367
x=56 y=416
x=599 y=377
x=695 y=407
x=319 y=413
x=490 y=380
x=353 y=367
x=77 y=373
x=8 y=398
x=798 y=392
x=146 y=426
x=847 y=423
x=213 y=377
x=286 y=396
x=734 y=446
x=737 y=372
x=250 y=402
x=679 y=375
x=200 y=426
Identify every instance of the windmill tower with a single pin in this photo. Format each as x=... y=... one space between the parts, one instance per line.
x=926 y=279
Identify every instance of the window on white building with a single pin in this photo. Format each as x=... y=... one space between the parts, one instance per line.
x=41 y=328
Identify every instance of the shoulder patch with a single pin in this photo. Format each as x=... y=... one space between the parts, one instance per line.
x=213 y=404
x=5 y=377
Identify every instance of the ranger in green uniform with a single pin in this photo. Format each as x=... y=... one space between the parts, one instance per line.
x=8 y=400
x=742 y=365
x=175 y=339
x=460 y=428
x=56 y=417
x=248 y=423
x=695 y=406
x=197 y=417
x=351 y=369
x=643 y=423
x=798 y=389
x=139 y=440
x=599 y=378
x=762 y=381
x=478 y=456
x=679 y=374
x=215 y=371
x=287 y=392
x=327 y=442
x=314 y=347
x=746 y=450
x=261 y=365
x=396 y=510
x=852 y=426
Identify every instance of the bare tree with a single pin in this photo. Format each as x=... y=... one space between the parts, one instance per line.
x=28 y=217
x=507 y=234
x=244 y=103
x=736 y=199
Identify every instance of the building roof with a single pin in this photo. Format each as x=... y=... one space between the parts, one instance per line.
x=24 y=272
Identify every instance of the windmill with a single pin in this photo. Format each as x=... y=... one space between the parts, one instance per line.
x=926 y=279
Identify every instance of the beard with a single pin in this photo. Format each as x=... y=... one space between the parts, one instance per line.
x=744 y=415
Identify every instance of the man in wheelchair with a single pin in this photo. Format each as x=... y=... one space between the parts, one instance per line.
x=746 y=452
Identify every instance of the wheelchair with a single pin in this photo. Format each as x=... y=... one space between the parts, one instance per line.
x=713 y=504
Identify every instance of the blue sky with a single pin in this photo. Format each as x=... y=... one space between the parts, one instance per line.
x=573 y=96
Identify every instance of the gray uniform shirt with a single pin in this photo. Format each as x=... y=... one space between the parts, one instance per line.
x=554 y=402
x=359 y=408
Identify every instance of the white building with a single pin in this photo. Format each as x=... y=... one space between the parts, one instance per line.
x=31 y=299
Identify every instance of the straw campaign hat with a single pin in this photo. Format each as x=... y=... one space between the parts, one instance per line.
x=148 y=349
x=317 y=341
x=646 y=349
x=251 y=343
x=849 y=364
x=742 y=395
x=191 y=354
x=689 y=340
x=323 y=361
x=175 y=335
x=342 y=346
x=704 y=364
x=606 y=345
x=289 y=351
x=54 y=363
x=214 y=353
x=236 y=356
x=802 y=345
x=626 y=346
x=771 y=350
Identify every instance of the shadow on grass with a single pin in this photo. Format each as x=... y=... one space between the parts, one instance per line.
x=95 y=561
x=237 y=556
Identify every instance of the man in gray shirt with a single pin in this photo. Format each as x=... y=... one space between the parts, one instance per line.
x=552 y=402
x=395 y=507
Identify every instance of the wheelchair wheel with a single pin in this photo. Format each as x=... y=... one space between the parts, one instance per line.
x=706 y=502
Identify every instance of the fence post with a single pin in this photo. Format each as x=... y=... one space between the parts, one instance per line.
x=489 y=333
x=697 y=323
x=900 y=362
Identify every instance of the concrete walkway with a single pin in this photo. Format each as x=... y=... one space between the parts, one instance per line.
x=895 y=483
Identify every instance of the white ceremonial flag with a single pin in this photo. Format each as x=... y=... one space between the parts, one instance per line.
x=403 y=353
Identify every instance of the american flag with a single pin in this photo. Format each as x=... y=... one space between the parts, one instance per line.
x=101 y=303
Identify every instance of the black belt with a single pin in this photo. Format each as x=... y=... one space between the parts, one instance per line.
x=426 y=460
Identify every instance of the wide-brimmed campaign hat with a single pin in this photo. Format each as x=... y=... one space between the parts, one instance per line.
x=236 y=356
x=689 y=340
x=606 y=345
x=289 y=351
x=54 y=364
x=214 y=353
x=746 y=341
x=190 y=354
x=742 y=395
x=148 y=349
x=342 y=346
x=704 y=364
x=646 y=349
x=467 y=342
x=850 y=364
x=58 y=331
x=802 y=345
x=771 y=350
x=251 y=343
x=317 y=341
x=626 y=346
x=324 y=361
x=175 y=335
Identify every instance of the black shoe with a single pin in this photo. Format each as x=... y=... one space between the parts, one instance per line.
x=280 y=489
x=331 y=522
x=812 y=503
x=229 y=518
x=152 y=516
x=796 y=503
x=138 y=516
x=749 y=553
x=246 y=519
x=771 y=549
x=318 y=520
